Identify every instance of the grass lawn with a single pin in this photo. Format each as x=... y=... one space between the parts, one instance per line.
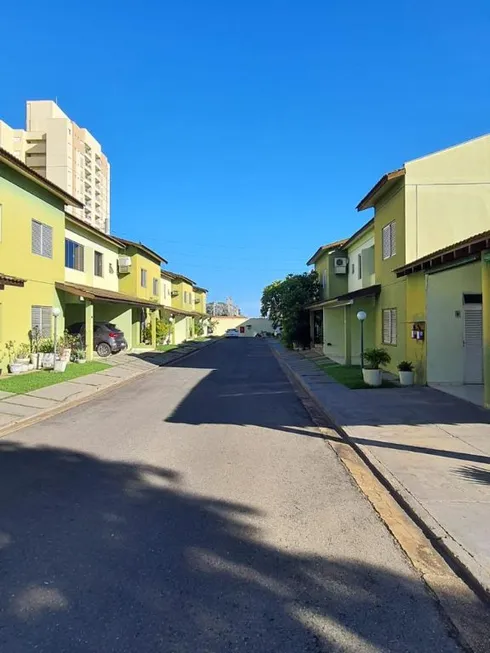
x=22 y=383
x=350 y=376
x=167 y=347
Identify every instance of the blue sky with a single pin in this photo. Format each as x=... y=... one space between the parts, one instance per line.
x=242 y=134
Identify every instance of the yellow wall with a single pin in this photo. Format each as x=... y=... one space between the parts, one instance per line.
x=92 y=244
x=393 y=290
x=447 y=197
x=180 y=286
x=21 y=201
x=200 y=306
x=416 y=350
x=334 y=333
x=130 y=283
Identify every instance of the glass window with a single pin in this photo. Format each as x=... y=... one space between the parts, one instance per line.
x=143 y=278
x=155 y=287
x=359 y=266
x=74 y=255
x=98 y=264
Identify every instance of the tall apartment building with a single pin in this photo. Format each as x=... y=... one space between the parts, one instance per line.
x=66 y=154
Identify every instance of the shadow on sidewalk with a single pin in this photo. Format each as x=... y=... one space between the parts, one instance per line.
x=99 y=555
x=475 y=474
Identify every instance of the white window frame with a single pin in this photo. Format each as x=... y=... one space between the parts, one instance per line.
x=99 y=256
x=359 y=265
x=389 y=240
x=389 y=326
x=143 y=277
x=155 y=286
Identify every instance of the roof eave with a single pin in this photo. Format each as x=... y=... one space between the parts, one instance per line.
x=381 y=187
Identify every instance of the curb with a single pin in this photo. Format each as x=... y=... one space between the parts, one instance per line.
x=462 y=563
x=24 y=422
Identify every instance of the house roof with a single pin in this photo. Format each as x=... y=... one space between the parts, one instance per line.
x=384 y=184
x=325 y=248
x=7 y=280
x=359 y=232
x=174 y=276
x=464 y=248
x=346 y=298
x=19 y=166
x=199 y=289
x=143 y=248
x=93 y=230
x=102 y=294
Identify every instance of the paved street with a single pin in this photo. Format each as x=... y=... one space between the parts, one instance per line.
x=197 y=510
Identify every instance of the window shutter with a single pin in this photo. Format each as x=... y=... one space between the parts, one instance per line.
x=47 y=241
x=36 y=237
x=392 y=238
x=36 y=318
x=386 y=327
x=393 y=327
x=46 y=313
x=386 y=241
x=359 y=266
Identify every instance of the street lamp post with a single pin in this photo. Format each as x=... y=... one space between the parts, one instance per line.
x=361 y=316
x=56 y=313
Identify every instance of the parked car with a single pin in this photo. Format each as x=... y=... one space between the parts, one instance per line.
x=108 y=339
x=232 y=333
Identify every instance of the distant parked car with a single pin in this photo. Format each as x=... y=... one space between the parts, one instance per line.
x=232 y=333
x=108 y=339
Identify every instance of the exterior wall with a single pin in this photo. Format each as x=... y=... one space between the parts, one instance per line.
x=447 y=197
x=336 y=284
x=368 y=305
x=180 y=287
x=364 y=243
x=200 y=300
x=416 y=350
x=445 y=330
x=119 y=314
x=91 y=244
x=393 y=290
x=130 y=283
x=180 y=329
x=22 y=200
x=252 y=325
x=165 y=292
x=334 y=334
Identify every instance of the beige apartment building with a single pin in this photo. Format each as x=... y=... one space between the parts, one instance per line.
x=66 y=154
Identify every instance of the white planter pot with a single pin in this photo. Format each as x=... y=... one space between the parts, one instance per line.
x=81 y=361
x=66 y=355
x=372 y=377
x=16 y=368
x=59 y=366
x=406 y=378
x=48 y=361
x=22 y=361
x=36 y=360
x=30 y=367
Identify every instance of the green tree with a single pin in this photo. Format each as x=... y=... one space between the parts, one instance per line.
x=284 y=302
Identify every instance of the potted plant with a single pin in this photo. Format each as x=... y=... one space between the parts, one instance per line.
x=47 y=355
x=79 y=356
x=373 y=359
x=67 y=344
x=14 y=368
x=405 y=372
x=35 y=339
x=22 y=356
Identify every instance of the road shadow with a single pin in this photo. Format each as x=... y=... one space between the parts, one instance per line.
x=98 y=555
x=475 y=474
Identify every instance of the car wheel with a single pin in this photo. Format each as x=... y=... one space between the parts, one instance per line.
x=103 y=349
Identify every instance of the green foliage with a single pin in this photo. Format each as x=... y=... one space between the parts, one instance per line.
x=36 y=380
x=198 y=327
x=45 y=345
x=23 y=350
x=284 y=302
x=375 y=358
x=164 y=329
x=11 y=350
x=405 y=366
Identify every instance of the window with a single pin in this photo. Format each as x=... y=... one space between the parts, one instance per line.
x=324 y=279
x=155 y=287
x=143 y=278
x=74 y=255
x=352 y=268
x=41 y=319
x=0 y=223
x=359 y=266
x=389 y=240
x=42 y=239
x=389 y=326
x=98 y=264
x=185 y=296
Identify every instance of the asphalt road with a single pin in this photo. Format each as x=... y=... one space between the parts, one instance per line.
x=197 y=510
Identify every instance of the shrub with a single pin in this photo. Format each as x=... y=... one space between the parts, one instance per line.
x=405 y=366
x=375 y=358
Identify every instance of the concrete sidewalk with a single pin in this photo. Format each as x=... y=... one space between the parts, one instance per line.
x=431 y=449
x=22 y=409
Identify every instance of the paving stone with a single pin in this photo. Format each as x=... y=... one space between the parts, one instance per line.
x=4 y=395
x=32 y=402
x=96 y=380
x=17 y=409
x=59 y=392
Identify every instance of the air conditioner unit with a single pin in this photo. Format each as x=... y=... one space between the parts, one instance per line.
x=340 y=264
x=124 y=264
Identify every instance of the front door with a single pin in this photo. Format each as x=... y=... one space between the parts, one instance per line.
x=473 y=344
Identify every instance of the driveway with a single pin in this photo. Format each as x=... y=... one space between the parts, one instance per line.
x=198 y=510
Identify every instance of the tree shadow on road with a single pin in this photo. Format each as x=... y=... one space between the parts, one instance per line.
x=99 y=555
